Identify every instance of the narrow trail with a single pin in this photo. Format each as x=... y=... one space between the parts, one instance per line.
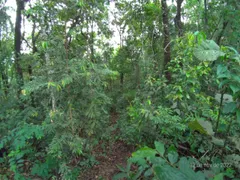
x=116 y=153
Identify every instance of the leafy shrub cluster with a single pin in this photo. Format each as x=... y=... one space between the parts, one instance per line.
x=201 y=128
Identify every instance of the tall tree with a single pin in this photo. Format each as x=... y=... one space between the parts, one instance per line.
x=206 y=14
x=166 y=41
x=17 y=45
x=177 y=19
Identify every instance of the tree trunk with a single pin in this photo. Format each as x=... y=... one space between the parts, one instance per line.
x=177 y=19
x=34 y=48
x=206 y=14
x=92 y=40
x=17 y=46
x=166 y=42
x=121 y=80
x=5 y=83
x=220 y=35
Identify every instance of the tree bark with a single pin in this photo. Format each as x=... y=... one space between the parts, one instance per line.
x=166 y=42
x=92 y=38
x=206 y=14
x=5 y=83
x=177 y=19
x=121 y=80
x=220 y=35
x=17 y=45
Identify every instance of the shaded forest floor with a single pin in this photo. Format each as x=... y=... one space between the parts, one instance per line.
x=113 y=154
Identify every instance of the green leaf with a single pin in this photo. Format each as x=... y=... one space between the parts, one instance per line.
x=235 y=88
x=120 y=176
x=229 y=107
x=138 y=160
x=168 y=173
x=224 y=82
x=219 y=177
x=196 y=33
x=208 y=51
x=207 y=55
x=218 y=142
x=1 y=161
x=185 y=168
x=148 y=172
x=121 y=168
x=173 y=157
x=235 y=77
x=203 y=127
x=44 y=45
x=138 y=174
x=160 y=147
x=210 y=44
x=172 y=148
x=144 y=152
x=221 y=69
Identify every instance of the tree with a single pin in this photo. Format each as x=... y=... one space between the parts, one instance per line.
x=166 y=36
x=17 y=45
x=177 y=19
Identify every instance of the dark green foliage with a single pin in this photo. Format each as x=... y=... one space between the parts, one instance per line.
x=154 y=164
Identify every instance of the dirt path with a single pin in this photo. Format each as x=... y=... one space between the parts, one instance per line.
x=115 y=154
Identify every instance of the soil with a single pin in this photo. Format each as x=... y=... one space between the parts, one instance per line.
x=114 y=154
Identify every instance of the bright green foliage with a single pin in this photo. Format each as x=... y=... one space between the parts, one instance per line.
x=22 y=142
x=208 y=51
x=154 y=164
x=194 y=105
x=147 y=122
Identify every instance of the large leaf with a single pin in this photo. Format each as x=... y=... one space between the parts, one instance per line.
x=218 y=142
x=235 y=88
x=144 y=152
x=210 y=44
x=208 y=51
x=120 y=176
x=235 y=77
x=229 y=107
x=227 y=98
x=221 y=69
x=207 y=55
x=185 y=168
x=160 y=147
x=173 y=157
x=148 y=172
x=219 y=177
x=204 y=127
x=169 y=173
x=223 y=72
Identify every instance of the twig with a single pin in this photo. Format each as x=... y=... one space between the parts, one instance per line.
x=203 y=155
x=27 y=42
x=168 y=45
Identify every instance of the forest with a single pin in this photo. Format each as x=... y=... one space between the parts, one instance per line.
x=119 y=89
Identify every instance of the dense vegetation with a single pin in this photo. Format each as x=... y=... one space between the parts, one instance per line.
x=170 y=70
